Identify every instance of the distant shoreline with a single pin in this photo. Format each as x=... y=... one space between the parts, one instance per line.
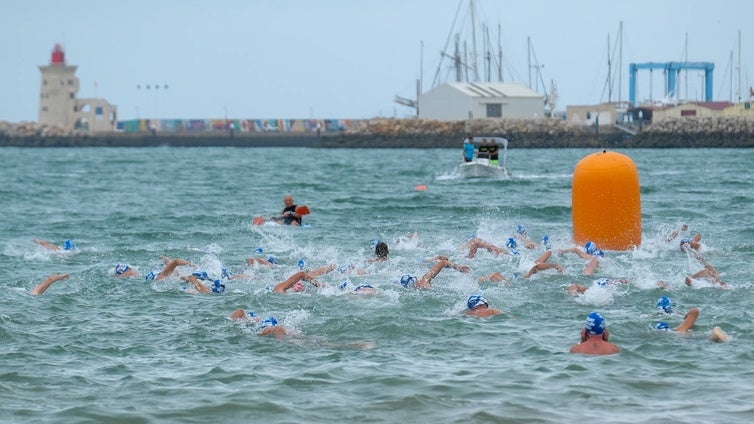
x=394 y=133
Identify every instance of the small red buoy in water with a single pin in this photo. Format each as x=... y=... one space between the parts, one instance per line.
x=421 y=187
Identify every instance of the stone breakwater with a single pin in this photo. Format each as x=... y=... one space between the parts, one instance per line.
x=418 y=133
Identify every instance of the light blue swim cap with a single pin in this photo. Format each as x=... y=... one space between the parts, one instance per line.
x=590 y=247
x=121 y=268
x=272 y=260
x=475 y=300
x=408 y=280
x=268 y=322
x=602 y=282
x=259 y=250
x=202 y=275
x=69 y=245
x=521 y=229
x=662 y=326
x=684 y=241
x=150 y=276
x=665 y=305
x=218 y=286
x=301 y=263
x=375 y=242
x=595 y=324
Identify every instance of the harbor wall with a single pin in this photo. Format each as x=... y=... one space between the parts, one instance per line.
x=416 y=133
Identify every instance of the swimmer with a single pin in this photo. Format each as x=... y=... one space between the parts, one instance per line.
x=479 y=307
x=594 y=338
x=542 y=264
x=265 y=327
x=576 y=289
x=665 y=307
x=475 y=243
x=425 y=282
x=170 y=268
x=590 y=253
x=269 y=262
x=216 y=287
x=362 y=289
x=44 y=285
x=381 y=252
x=294 y=282
x=124 y=271
x=67 y=245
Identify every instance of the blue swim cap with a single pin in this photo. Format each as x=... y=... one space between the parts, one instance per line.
x=218 y=286
x=344 y=285
x=259 y=250
x=407 y=280
x=521 y=229
x=590 y=247
x=151 y=276
x=225 y=273
x=272 y=260
x=685 y=241
x=511 y=243
x=595 y=324
x=662 y=326
x=121 y=268
x=598 y=253
x=251 y=314
x=375 y=242
x=301 y=263
x=344 y=268
x=69 y=245
x=546 y=242
x=475 y=300
x=602 y=282
x=268 y=322
x=363 y=286
x=202 y=275
x=665 y=305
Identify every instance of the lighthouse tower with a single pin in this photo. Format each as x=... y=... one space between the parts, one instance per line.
x=58 y=91
x=59 y=107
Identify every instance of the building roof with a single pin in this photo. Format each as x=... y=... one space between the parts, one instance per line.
x=494 y=89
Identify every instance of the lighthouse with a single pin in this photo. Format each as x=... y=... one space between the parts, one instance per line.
x=59 y=105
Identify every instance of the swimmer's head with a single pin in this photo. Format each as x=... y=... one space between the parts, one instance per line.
x=365 y=288
x=218 y=286
x=225 y=273
x=521 y=229
x=602 y=282
x=150 y=276
x=685 y=242
x=595 y=324
x=272 y=260
x=475 y=301
x=121 y=268
x=251 y=314
x=381 y=250
x=590 y=248
x=511 y=243
x=662 y=326
x=408 y=280
x=301 y=264
x=201 y=275
x=344 y=285
x=69 y=245
x=267 y=322
x=664 y=305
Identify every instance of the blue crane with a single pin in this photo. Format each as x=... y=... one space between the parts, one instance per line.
x=672 y=70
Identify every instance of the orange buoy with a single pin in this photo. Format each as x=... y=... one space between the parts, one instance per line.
x=421 y=187
x=606 y=204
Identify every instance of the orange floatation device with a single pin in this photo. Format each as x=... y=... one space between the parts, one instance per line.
x=606 y=203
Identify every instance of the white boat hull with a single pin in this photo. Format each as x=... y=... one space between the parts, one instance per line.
x=481 y=168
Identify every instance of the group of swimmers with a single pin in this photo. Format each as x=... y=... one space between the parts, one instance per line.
x=594 y=335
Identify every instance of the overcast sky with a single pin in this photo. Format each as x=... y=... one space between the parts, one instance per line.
x=349 y=58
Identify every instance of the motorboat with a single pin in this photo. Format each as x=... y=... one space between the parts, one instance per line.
x=478 y=164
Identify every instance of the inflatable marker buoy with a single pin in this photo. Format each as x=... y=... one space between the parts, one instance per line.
x=606 y=204
x=421 y=187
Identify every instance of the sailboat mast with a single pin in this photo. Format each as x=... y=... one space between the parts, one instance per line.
x=473 y=41
x=620 y=61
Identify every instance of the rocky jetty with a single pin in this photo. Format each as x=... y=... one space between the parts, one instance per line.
x=420 y=133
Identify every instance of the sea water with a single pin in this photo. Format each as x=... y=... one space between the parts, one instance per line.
x=95 y=348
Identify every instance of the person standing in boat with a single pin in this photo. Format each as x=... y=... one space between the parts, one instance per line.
x=493 y=149
x=288 y=215
x=484 y=150
x=468 y=149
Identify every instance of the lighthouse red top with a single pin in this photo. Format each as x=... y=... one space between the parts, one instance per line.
x=58 y=55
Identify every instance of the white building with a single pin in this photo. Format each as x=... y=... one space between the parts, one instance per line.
x=458 y=101
x=58 y=105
